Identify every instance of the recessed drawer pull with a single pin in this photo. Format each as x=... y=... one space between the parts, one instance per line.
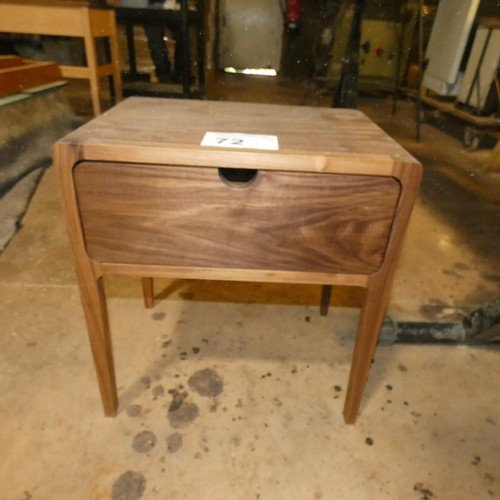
x=238 y=177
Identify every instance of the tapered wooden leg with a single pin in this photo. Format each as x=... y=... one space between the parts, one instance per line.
x=94 y=307
x=326 y=294
x=370 y=321
x=148 y=292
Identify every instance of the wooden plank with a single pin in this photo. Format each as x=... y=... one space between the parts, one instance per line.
x=30 y=74
x=10 y=61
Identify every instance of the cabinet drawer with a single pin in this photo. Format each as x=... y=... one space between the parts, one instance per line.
x=196 y=217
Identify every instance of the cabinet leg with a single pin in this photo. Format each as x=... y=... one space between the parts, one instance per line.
x=148 y=292
x=326 y=294
x=94 y=307
x=370 y=321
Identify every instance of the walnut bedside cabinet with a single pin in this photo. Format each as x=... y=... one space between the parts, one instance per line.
x=232 y=191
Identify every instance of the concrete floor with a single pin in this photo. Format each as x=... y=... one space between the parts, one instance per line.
x=259 y=375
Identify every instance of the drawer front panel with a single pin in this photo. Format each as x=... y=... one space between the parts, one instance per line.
x=194 y=217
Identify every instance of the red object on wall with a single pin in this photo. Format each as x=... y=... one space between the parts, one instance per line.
x=293 y=12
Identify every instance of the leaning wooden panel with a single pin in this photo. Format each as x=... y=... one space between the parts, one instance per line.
x=9 y=61
x=142 y=197
x=26 y=75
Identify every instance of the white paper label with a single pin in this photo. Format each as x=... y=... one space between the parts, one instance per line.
x=237 y=140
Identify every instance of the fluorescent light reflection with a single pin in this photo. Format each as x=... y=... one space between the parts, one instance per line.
x=252 y=71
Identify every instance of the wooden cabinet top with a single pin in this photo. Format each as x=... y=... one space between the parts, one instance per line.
x=169 y=131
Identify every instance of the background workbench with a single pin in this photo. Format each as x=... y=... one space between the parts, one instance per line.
x=70 y=19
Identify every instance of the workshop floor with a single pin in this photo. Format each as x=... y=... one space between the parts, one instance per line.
x=258 y=375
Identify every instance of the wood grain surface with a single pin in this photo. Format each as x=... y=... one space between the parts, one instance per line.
x=189 y=216
x=169 y=131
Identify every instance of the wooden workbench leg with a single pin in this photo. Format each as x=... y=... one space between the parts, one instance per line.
x=115 y=58
x=370 y=321
x=148 y=292
x=92 y=65
x=94 y=307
